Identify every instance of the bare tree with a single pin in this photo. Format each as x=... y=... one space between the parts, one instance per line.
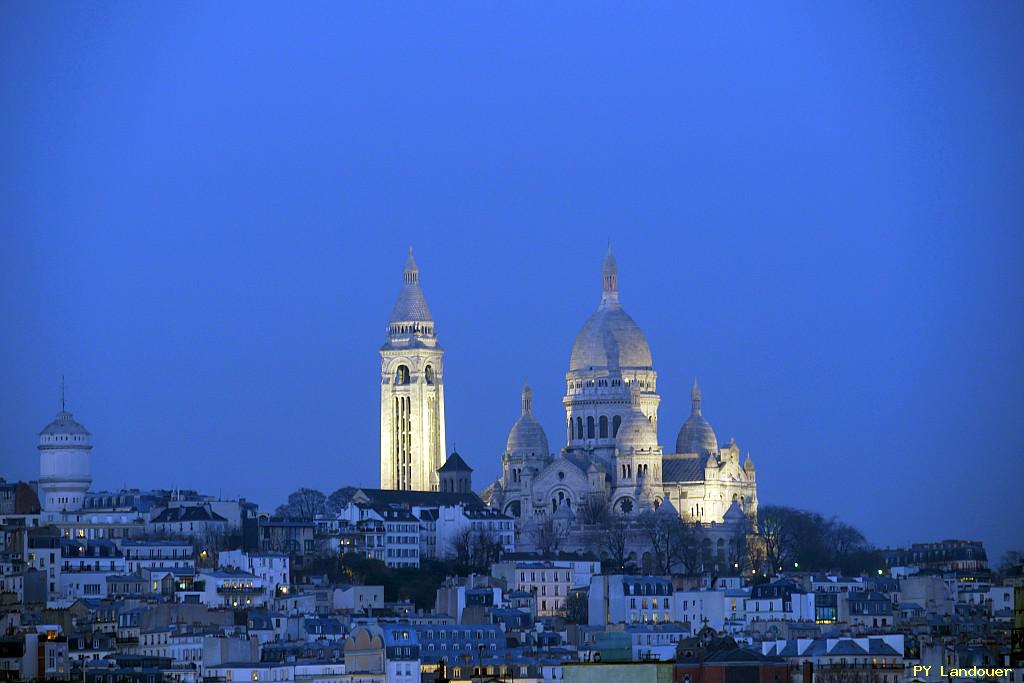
x=688 y=548
x=674 y=542
x=487 y=548
x=612 y=541
x=303 y=504
x=739 y=555
x=594 y=510
x=776 y=534
x=340 y=498
x=575 y=609
x=475 y=550
x=548 y=535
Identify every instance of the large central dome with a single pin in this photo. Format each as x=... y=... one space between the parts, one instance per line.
x=610 y=338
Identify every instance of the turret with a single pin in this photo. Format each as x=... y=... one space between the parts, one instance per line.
x=65 y=462
x=455 y=475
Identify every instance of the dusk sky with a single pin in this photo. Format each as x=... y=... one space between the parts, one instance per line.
x=818 y=210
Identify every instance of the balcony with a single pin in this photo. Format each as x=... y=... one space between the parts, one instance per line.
x=243 y=590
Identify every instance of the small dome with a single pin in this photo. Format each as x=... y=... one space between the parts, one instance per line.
x=64 y=424
x=527 y=438
x=636 y=432
x=696 y=435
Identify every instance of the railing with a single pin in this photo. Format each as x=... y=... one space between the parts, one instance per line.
x=240 y=589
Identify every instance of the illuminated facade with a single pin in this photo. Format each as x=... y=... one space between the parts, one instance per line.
x=412 y=446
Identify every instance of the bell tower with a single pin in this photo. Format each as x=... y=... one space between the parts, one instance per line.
x=412 y=443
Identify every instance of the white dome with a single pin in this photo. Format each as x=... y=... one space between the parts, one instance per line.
x=696 y=434
x=527 y=438
x=636 y=433
x=610 y=338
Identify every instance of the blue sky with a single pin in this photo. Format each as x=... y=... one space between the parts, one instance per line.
x=816 y=207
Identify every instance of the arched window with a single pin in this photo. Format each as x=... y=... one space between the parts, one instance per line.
x=590 y=427
x=428 y=374
x=626 y=505
x=579 y=427
x=603 y=426
x=616 y=421
x=572 y=430
x=402 y=375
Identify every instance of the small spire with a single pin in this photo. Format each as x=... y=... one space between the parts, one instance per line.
x=527 y=398
x=609 y=278
x=695 y=397
x=411 y=273
x=62 y=394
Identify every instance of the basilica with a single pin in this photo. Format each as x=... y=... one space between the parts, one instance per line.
x=611 y=452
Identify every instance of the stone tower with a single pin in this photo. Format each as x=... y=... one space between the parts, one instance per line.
x=65 y=463
x=412 y=443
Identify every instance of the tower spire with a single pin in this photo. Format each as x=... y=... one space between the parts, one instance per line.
x=695 y=397
x=527 y=398
x=62 y=394
x=609 y=278
x=411 y=273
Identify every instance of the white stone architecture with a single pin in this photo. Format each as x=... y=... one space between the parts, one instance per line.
x=65 y=463
x=412 y=443
x=612 y=450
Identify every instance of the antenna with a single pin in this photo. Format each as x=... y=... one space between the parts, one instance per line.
x=62 y=393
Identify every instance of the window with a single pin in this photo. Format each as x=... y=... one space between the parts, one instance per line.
x=603 y=427
x=590 y=427
x=616 y=421
x=402 y=375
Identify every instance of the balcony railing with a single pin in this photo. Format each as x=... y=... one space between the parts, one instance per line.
x=240 y=589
